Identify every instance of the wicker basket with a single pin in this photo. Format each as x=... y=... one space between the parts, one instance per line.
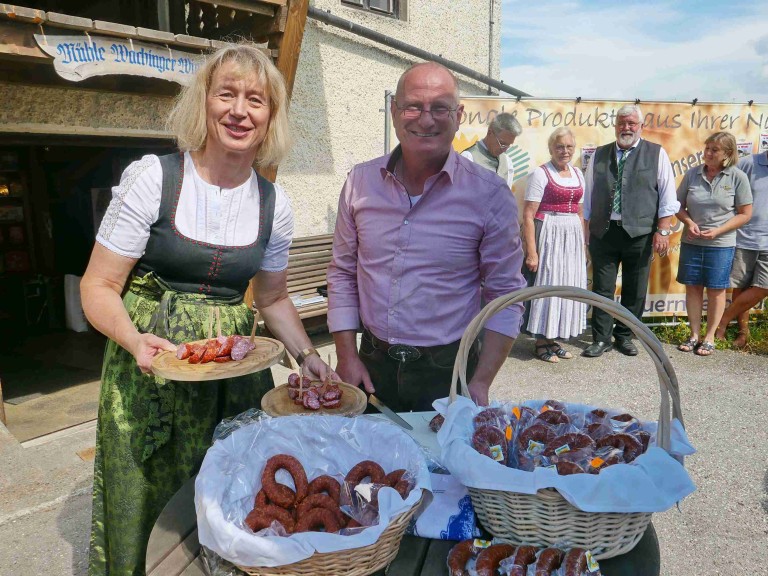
x=546 y=518
x=354 y=562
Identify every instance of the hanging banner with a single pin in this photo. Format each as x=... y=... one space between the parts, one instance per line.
x=681 y=128
x=79 y=57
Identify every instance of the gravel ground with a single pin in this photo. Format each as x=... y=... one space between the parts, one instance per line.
x=720 y=529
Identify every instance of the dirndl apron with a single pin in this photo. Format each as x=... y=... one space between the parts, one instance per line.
x=152 y=433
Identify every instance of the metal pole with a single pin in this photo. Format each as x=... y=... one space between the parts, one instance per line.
x=387 y=120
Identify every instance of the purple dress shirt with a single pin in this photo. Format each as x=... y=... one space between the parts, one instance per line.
x=416 y=275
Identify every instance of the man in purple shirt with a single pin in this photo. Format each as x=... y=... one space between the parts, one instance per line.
x=421 y=235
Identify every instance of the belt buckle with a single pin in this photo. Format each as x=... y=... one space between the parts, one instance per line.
x=403 y=353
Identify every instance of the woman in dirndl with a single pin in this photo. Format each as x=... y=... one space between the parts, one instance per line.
x=186 y=232
x=553 y=237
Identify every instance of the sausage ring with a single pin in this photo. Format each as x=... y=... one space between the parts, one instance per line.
x=572 y=442
x=280 y=494
x=458 y=558
x=575 y=562
x=631 y=446
x=260 y=518
x=644 y=438
x=524 y=555
x=327 y=484
x=363 y=470
x=554 y=417
x=487 y=437
x=261 y=499
x=317 y=518
x=555 y=405
x=538 y=432
x=489 y=559
x=549 y=560
x=495 y=416
x=395 y=480
x=321 y=501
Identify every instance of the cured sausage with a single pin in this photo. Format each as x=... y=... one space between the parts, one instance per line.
x=240 y=348
x=554 y=417
x=330 y=403
x=363 y=470
x=549 y=560
x=555 y=405
x=575 y=562
x=537 y=432
x=261 y=499
x=489 y=559
x=569 y=443
x=276 y=492
x=524 y=555
x=318 y=518
x=398 y=481
x=325 y=484
x=321 y=501
x=436 y=423
x=487 y=438
x=631 y=446
x=565 y=468
x=260 y=518
x=494 y=416
x=459 y=556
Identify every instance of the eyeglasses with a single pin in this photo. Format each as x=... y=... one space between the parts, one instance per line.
x=412 y=111
x=627 y=124
x=500 y=143
x=565 y=148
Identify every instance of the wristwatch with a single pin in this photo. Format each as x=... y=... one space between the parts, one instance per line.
x=304 y=353
x=664 y=231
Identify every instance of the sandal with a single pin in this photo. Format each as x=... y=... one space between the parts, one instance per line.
x=559 y=351
x=689 y=345
x=705 y=349
x=546 y=355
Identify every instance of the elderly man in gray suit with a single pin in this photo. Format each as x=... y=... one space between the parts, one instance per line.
x=629 y=202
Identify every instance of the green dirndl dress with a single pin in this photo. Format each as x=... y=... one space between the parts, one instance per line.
x=153 y=433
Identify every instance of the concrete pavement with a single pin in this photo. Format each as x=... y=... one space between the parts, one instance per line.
x=721 y=529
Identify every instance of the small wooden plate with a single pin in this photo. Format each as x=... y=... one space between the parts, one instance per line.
x=276 y=402
x=267 y=352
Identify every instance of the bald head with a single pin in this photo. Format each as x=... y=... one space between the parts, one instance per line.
x=438 y=70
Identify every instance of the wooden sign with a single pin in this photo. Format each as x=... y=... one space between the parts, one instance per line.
x=79 y=57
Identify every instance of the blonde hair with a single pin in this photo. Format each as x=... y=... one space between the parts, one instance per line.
x=728 y=143
x=559 y=133
x=187 y=120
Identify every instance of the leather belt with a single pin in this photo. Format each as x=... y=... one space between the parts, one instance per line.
x=403 y=352
x=617 y=222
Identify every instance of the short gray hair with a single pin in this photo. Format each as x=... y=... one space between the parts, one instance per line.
x=629 y=109
x=506 y=122
x=559 y=133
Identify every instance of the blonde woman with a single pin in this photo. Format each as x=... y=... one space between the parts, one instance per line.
x=194 y=227
x=715 y=200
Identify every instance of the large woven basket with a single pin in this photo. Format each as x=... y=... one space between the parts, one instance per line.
x=546 y=518
x=355 y=562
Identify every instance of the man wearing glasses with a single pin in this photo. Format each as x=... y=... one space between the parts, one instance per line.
x=490 y=151
x=421 y=235
x=629 y=201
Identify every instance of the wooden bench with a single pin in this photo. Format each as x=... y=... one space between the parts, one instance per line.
x=308 y=260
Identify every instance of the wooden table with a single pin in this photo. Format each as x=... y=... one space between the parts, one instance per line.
x=173 y=549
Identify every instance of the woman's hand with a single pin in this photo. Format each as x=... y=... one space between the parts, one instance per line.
x=532 y=262
x=314 y=368
x=693 y=231
x=146 y=347
x=709 y=234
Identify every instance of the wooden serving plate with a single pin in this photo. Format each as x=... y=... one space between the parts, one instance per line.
x=276 y=402
x=267 y=352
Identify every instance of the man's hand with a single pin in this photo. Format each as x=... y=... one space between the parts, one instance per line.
x=314 y=367
x=478 y=391
x=661 y=244
x=352 y=371
x=146 y=347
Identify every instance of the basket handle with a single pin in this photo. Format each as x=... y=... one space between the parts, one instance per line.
x=668 y=384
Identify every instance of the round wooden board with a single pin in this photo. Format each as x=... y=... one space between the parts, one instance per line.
x=267 y=352
x=276 y=402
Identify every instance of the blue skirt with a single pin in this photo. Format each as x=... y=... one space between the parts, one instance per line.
x=707 y=266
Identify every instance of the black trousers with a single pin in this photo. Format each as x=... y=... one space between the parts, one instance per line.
x=413 y=386
x=634 y=254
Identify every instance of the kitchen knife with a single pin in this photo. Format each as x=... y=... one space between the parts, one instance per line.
x=388 y=412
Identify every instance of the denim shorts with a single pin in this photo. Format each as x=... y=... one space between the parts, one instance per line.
x=707 y=266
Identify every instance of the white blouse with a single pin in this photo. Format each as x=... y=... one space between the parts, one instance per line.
x=208 y=213
x=537 y=181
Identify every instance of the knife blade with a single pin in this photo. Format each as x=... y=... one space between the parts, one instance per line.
x=388 y=412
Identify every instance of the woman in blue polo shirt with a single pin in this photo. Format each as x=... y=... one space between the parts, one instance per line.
x=715 y=200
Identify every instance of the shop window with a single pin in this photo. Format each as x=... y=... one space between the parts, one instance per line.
x=394 y=8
